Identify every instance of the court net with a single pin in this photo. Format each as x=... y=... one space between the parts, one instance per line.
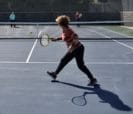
x=87 y=31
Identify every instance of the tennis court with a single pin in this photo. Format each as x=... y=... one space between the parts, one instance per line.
x=25 y=87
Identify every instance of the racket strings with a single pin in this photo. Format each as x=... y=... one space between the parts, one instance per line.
x=44 y=42
x=44 y=39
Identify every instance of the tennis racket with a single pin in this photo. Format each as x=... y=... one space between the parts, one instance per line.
x=80 y=100
x=44 y=39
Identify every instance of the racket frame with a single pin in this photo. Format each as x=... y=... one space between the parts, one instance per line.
x=47 y=39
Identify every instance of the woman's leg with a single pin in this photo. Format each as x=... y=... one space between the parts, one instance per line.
x=67 y=58
x=64 y=61
x=80 y=62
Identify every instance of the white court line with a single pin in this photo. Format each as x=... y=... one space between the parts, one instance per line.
x=31 y=51
x=121 y=43
x=100 y=33
x=130 y=47
x=54 y=62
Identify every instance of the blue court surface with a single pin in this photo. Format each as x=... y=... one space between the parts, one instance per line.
x=25 y=87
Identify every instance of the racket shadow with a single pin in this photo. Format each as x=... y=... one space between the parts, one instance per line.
x=80 y=100
x=105 y=96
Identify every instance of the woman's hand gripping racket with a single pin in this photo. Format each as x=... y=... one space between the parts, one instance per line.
x=44 y=39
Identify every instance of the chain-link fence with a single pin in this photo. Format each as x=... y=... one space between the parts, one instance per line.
x=48 y=10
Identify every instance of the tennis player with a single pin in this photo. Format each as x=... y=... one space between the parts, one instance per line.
x=78 y=16
x=12 y=18
x=75 y=50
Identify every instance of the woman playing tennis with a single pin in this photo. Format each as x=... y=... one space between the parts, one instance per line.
x=75 y=50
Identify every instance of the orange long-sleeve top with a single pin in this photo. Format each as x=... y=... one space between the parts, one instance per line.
x=70 y=37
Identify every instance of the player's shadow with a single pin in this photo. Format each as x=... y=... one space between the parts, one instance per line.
x=105 y=96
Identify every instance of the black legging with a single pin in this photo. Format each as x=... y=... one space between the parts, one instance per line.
x=79 y=55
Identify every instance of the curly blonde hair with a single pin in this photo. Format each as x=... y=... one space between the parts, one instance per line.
x=63 y=20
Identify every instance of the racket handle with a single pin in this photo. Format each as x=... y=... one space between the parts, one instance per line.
x=53 y=39
x=59 y=38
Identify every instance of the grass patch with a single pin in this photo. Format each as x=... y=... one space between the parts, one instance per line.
x=121 y=29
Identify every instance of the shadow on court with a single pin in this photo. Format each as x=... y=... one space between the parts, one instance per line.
x=105 y=96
